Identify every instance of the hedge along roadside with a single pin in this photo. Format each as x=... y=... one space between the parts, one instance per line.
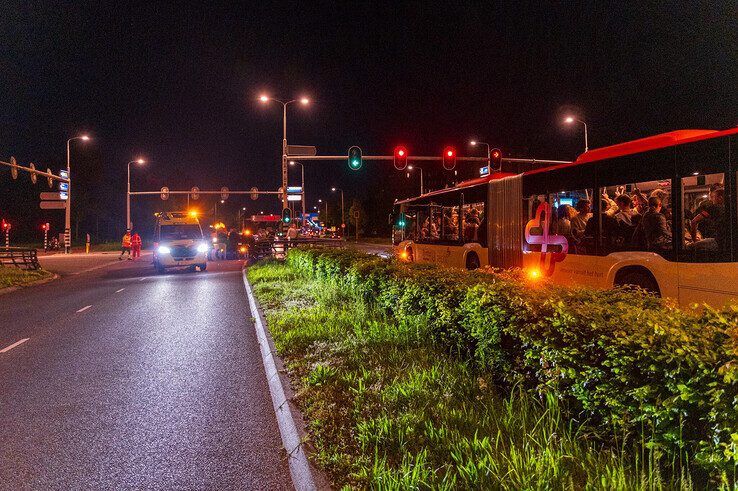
x=627 y=363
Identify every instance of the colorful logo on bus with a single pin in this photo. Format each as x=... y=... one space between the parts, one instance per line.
x=538 y=232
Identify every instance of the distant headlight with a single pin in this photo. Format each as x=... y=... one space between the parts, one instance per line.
x=215 y=240
x=164 y=250
x=202 y=248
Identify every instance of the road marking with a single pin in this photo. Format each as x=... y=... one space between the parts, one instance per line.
x=17 y=343
x=142 y=279
x=118 y=291
x=83 y=309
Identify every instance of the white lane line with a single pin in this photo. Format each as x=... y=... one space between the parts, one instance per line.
x=83 y=309
x=142 y=279
x=118 y=291
x=17 y=343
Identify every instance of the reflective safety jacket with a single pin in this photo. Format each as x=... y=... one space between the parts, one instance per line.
x=127 y=240
x=136 y=240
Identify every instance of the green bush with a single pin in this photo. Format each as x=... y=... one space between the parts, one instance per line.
x=628 y=364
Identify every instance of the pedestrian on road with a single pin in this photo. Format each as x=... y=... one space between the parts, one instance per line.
x=126 y=246
x=136 y=244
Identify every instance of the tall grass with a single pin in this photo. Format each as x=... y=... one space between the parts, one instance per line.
x=387 y=409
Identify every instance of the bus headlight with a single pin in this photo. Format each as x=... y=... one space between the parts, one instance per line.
x=202 y=248
x=163 y=250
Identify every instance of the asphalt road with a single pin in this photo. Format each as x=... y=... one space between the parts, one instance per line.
x=131 y=380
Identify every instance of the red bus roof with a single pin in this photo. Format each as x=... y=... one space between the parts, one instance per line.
x=655 y=142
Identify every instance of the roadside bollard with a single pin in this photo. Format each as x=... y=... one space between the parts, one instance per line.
x=87 y=244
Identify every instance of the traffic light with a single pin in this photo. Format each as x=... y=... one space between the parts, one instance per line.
x=449 y=158
x=354 y=158
x=45 y=227
x=401 y=221
x=400 y=159
x=286 y=215
x=495 y=157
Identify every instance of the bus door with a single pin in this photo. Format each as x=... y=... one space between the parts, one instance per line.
x=707 y=194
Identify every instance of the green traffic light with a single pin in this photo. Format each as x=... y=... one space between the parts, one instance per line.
x=354 y=164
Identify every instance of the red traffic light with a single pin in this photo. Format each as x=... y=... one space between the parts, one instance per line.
x=449 y=158
x=495 y=157
x=400 y=158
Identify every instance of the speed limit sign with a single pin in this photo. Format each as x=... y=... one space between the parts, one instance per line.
x=164 y=193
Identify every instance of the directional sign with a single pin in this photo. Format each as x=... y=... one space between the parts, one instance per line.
x=50 y=196
x=254 y=193
x=164 y=193
x=294 y=189
x=13 y=168
x=301 y=150
x=224 y=193
x=53 y=205
x=64 y=174
x=49 y=179
x=63 y=195
x=484 y=171
x=195 y=192
x=63 y=186
x=294 y=197
x=34 y=176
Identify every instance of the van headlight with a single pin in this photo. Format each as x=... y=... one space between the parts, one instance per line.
x=202 y=248
x=163 y=250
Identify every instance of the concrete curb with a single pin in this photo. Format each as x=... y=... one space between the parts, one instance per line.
x=302 y=477
x=10 y=289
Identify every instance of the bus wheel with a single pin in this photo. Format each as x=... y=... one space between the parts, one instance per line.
x=472 y=261
x=642 y=278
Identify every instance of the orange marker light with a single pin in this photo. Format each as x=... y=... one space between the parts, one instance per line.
x=534 y=274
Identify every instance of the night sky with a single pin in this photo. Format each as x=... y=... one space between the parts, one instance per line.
x=178 y=85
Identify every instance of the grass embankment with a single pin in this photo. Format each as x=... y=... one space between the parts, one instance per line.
x=12 y=276
x=415 y=377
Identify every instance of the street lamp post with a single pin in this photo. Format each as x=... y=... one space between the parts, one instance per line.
x=302 y=187
x=128 y=192
x=410 y=167
x=303 y=101
x=474 y=143
x=572 y=120
x=68 y=210
x=343 y=218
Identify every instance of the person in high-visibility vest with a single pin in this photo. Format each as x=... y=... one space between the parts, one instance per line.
x=126 y=246
x=136 y=245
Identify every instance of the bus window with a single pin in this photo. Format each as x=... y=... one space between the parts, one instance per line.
x=571 y=217
x=705 y=236
x=450 y=224
x=473 y=220
x=624 y=209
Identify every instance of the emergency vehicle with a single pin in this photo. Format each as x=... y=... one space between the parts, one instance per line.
x=179 y=242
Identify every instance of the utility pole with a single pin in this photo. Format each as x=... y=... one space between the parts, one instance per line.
x=68 y=210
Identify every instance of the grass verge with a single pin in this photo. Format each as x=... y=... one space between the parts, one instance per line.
x=387 y=408
x=11 y=276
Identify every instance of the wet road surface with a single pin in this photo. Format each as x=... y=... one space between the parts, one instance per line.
x=120 y=378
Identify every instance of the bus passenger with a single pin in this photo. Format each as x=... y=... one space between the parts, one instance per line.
x=653 y=230
x=710 y=219
x=471 y=225
x=579 y=222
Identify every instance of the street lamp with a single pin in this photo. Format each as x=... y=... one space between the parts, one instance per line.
x=572 y=120
x=128 y=192
x=343 y=218
x=304 y=101
x=410 y=167
x=474 y=143
x=292 y=163
x=68 y=210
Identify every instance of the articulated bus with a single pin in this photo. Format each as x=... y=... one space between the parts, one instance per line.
x=660 y=213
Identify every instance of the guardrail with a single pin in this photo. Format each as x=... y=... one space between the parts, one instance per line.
x=20 y=257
